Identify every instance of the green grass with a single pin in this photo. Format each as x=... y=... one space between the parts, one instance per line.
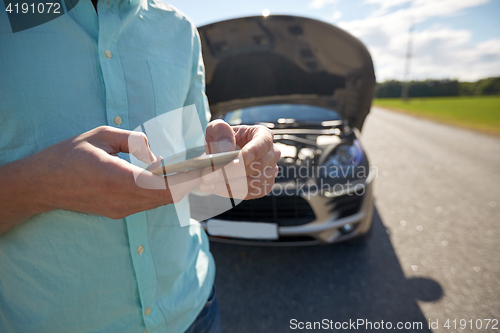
x=481 y=113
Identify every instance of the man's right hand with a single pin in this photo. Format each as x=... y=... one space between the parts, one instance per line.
x=84 y=174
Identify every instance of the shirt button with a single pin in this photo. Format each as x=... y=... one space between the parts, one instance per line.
x=147 y=312
x=108 y=54
x=118 y=120
x=140 y=249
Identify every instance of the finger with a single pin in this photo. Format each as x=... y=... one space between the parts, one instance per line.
x=184 y=177
x=182 y=183
x=168 y=189
x=139 y=148
x=259 y=141
x=269 y=172
x=269 y=159
x=231 y=170
x=255 y=168
x=260 y=186
x=219 y=137
x=237 y=169
x=256 y=192
x=156 y=164
x=135 y=143
x=238 y=188
x=234 y=169
x=146 y=180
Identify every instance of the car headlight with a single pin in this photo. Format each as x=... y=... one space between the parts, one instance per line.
x=346 y=155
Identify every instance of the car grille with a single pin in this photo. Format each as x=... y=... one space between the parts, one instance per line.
x=346 y=205
x=283 y=210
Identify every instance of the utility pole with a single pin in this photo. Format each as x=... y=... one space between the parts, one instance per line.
x=406 y=76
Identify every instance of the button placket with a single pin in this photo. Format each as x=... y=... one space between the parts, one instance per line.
x=112 y=71
x=117 y=115
x=144 y=268
x=147 y=312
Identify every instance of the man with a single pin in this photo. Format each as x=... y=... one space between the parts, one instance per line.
x=83 y=248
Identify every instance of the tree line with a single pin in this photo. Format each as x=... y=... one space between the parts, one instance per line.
x=434 y=88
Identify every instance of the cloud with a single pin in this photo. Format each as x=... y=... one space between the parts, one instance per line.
x=443 y=52
x=438 y=51
x=336 y=15
x=318 y=4
x=385 y=5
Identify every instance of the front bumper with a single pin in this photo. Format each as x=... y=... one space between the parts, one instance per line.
x=328 y=224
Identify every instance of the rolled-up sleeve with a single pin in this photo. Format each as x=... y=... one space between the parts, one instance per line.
x=196 y=96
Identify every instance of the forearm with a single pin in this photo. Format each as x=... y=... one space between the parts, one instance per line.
x=83 y=174
x=17 y=194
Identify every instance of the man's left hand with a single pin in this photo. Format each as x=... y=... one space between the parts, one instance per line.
x=258 y=155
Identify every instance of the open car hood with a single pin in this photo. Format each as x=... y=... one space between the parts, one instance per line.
x=286 y=59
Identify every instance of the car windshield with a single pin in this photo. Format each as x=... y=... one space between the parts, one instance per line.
x=272 y=113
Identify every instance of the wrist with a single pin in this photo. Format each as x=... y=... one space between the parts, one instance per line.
x=19 y=192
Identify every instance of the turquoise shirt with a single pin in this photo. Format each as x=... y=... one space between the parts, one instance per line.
x=64 y=271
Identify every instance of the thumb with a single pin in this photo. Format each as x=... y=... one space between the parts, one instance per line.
x=139 y=148
x=115 y=140
x=219 y=137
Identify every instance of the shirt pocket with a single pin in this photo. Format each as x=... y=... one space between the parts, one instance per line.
x=170 y=85
x=165 y=131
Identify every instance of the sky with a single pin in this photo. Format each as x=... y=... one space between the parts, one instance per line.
x=452 y=39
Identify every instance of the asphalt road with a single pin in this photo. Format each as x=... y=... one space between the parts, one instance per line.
x=434 y=252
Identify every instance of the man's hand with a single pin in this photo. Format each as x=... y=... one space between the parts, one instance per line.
x=259 y=156
x=84 y=174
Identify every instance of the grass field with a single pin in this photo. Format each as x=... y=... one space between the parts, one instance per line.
x=481 y=113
